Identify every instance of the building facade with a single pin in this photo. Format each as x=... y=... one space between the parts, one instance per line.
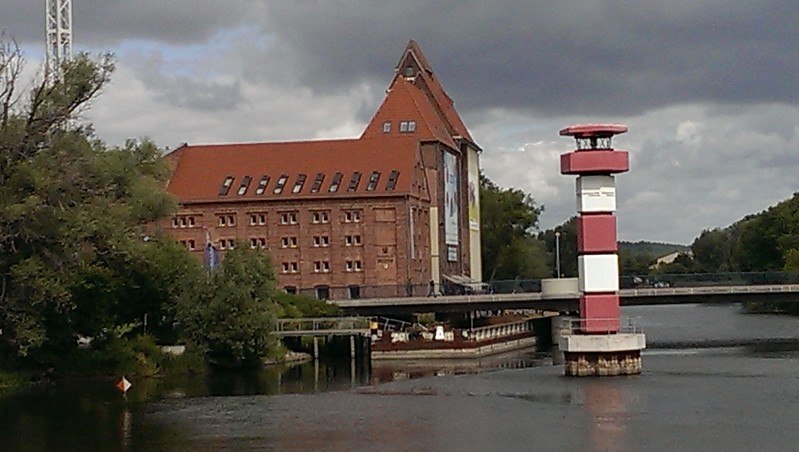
x=387 y=214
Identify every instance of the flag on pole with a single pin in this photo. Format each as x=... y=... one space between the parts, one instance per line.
x=211 y=253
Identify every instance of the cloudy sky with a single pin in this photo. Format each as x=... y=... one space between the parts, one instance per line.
x=709 y=89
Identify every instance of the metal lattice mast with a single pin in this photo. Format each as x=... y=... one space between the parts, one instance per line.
x=58 y=29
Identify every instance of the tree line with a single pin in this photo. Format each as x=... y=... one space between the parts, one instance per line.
x=514 y=247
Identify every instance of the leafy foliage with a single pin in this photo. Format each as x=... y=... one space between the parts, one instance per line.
x=509 y=219
x=231 y=312
x=568 y=247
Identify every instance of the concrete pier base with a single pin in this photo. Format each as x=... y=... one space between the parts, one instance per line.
x=602 y=354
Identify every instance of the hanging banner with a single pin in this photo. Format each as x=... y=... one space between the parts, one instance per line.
x=451 y=199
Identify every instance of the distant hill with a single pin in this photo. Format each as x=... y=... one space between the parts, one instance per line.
x=653 y=249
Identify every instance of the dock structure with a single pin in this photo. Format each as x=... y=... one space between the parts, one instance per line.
x=352 y=327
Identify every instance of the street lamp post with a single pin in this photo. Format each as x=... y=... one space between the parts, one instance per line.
x=557 y=253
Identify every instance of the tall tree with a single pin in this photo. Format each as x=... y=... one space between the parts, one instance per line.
x=231 y=313
x=509 y=219
x=72 y=213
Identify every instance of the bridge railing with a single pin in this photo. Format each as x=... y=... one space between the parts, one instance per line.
x=534 y=285
x=709 y=279
x=322 y=323
x=626 y=325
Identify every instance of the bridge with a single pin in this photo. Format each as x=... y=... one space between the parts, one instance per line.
x=569 y=302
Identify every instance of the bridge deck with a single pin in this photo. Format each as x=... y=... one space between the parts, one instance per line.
x=569 y=301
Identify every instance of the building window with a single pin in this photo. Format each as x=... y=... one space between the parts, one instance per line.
x=257 y=242
x=289 y=267
x=336 y=182
x=321 y=241
x=321 y=266
x=320 y=216
x=288 y=242
x=387 y=127
x=257 y=219
x=407 y=126
x=281 y=182
x=288 y=218
x=189 y=244
x=352 y=216
x=353 y=266
x=373 y=181
x=322 y=292
x=245 y=184
x=352 y=240
x=183 y=222
x=262 y=185
x=226 y=220
x=317 y=183
x=292 y=290
x=356 y=179
x=226 y=184
x=392 y=180
x=300 y=182
x=354 y=292
x=227 y=244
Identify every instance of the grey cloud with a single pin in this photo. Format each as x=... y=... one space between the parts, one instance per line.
x=102 y=24
x=555 y=57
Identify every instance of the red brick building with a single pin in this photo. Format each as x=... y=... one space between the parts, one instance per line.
x=380 y=215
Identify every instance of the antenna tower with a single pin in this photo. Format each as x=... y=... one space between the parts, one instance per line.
x=58 y=29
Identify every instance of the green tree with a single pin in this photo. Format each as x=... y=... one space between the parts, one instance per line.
x=72 y=213
x=634 y=264
x=232 y=312
x=712 y=251
x=568 y=247
x=509 y=219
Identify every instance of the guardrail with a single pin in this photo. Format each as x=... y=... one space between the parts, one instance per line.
x=534 y=285
x=322 y=324
x=626 y=325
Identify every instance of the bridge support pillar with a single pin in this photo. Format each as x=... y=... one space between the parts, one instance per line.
x=598 y=346
x=602 y=354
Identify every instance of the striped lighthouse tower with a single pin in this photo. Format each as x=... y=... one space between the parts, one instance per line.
x=599 y=345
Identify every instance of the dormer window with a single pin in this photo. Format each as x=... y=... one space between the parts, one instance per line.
x=300 y=182
x=392 y=180
x=373 y=181
x=226 y=184
x=280 y=184
x=262 y=185
x=245 y=184
x=317 y=183
x=387 y=127
x=336 y=182
x=356 y=179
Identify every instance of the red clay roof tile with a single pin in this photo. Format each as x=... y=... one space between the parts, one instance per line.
x=200 y=170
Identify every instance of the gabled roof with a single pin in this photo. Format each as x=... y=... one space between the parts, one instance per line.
x=406 y=102
x=414 y=73
x=200 y=171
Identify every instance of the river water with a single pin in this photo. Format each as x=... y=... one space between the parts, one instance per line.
x=714 y=379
